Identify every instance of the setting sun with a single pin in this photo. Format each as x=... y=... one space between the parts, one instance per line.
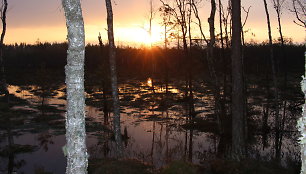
x=140 y=35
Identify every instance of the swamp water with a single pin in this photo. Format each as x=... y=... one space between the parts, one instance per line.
x=153 y=127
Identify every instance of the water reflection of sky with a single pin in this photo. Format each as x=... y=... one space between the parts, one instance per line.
x=154 y=136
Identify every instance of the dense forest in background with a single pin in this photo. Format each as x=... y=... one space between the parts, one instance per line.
x=138 y=62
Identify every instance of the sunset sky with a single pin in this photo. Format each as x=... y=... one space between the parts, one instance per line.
x=43 y=20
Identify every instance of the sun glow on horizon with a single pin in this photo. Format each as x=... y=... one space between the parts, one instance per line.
x=140 y=36
x=135 y=35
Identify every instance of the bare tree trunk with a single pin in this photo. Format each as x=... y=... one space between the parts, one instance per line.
x=189 y=24
x=280 y=26
x=243 y=73
x=189 y=64
x=165 y=12
x=75 y=119
x=238 y=136
x=113 y=73
x=211 y=22
x=224 y=61
x=181 y=4
x=105 y=76
x=150 y=21
x=221 y=28
x=3 y=87
x=225 y=23
x=3 y=79
x=282 y=44
x=210 y=58
x=299 y=10
x=301 y=124
x=166 y=63
x=273 y=69
x=278 y=7
x=153 y=66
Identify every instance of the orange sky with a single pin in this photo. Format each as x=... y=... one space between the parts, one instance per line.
x=43 y=20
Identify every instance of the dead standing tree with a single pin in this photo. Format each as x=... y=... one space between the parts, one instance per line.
x=166 y=15
x=77 y=158
x=238 y=109
x=210 y=57
x=3 y=85
x=273 y=64
x=226 y=20
x=151 y=21
x=221 y=27
x=114 y=83
x=191 y=109
x=153 y=63
x=3 y=88
x=280 y=122
x=180 y=13
x=299 y=10
x=278 y=6
x=105 y=80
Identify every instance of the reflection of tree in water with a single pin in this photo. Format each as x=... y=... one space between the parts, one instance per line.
x=277 y=139
x=176 y=132
x=169 y=113
x=45 y=138
x=11 y=127
x=20 y=119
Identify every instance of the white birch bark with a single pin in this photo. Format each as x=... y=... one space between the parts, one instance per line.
x=302 y=126
x=75 y=118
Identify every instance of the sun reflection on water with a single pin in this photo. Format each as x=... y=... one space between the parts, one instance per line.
x=149 y=82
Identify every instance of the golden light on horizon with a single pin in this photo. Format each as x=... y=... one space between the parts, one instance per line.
x=133 y=35
x=26 y=23
x=139 y=35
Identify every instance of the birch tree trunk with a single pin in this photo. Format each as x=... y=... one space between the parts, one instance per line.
x=113 y=73
x=75 y=118
x=302 y=125
x=238 y=136
x=3 y=79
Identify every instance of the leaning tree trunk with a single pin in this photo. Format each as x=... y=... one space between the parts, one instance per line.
x=273 y=68
x=278 y=7
x=210 y=58
x=3 y=79
x=211 y=62
x=238 y=136
x=113 y=73
x=302 y=125
x=75 y=118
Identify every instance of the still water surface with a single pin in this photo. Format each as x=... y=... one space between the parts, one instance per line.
x=152 y=130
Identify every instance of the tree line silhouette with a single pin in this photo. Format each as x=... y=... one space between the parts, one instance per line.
x=136 y=62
